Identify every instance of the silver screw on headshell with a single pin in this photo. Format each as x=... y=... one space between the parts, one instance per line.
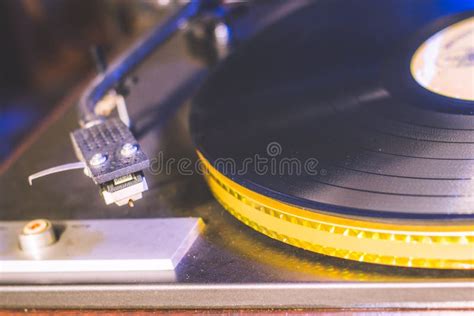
x=128 y=150
x=97 y=160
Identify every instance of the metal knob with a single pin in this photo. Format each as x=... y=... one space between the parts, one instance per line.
x=37 y=234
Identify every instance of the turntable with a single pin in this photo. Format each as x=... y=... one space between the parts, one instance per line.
x=327 y=162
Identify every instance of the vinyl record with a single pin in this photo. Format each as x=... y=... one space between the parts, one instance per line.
x=353 y=110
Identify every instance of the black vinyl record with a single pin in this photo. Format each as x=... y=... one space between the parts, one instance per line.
x=332 y=84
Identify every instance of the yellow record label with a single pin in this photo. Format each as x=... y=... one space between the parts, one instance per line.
x=444 y=64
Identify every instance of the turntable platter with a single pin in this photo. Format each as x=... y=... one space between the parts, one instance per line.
x=315 y=122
